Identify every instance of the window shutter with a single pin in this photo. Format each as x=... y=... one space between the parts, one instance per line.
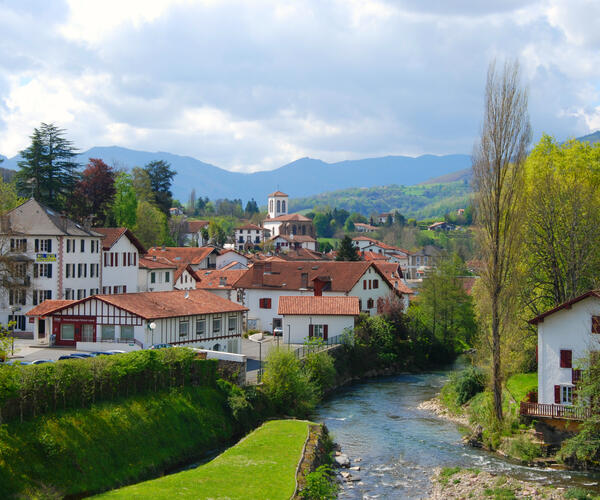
x=124 y=259
x=124 y=288
x=557 y=394
x=310 y=330
x=105 y=259
x=536 y=354
x=325 y=332
x=375 y=283
x=595 y=324
x=49 y=246
x=49 y=270
x=37 y=245
x=134 y=258
x=566 y=357
x=268 y=303
x=364 y=283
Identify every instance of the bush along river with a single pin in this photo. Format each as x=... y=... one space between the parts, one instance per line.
x=398 y=446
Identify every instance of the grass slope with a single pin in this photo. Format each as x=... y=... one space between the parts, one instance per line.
x=261 y=466
x=421 y=201
x=111 y=444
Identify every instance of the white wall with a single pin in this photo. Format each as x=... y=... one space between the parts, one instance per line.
x=374 y=293
x=229 y=257
x=121 y=275
x=566 y=329
x=185 y=282
x=299 y=325
x=161 y=283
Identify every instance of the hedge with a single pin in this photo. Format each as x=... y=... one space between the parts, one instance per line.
x=31 y=390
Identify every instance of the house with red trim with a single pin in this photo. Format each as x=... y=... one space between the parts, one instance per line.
x=316 y=317
x=130 y=321
x=566 y=336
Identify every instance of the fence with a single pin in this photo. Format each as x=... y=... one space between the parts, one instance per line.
x=554 y=411
x=321 y=345
x=33 y=390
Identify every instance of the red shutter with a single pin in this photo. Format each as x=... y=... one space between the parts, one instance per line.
x=268 y=303
x=261 y=303
x=364 y=284
x=310 y=330
x=105 y=259
x=124 y=259
x=595 y=324
x=536 y=353
x=134 y=258
x=124 y=288
x=128 y=258
x=325 y=330
x=566 y=358
x=375 y=283
x=557 y=394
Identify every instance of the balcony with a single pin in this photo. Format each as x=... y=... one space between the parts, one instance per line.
x=554 y=411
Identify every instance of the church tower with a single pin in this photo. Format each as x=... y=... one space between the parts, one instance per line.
x=278 y=204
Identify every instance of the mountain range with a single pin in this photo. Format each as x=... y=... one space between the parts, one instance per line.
x=303 y=177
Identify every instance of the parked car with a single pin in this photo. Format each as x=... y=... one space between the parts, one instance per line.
x=115 y=351
x=42 y=361
x=82 y=355
x=16 y=362
x=100 y=353
x=160 y=346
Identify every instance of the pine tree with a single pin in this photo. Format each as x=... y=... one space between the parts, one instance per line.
x=347 y=251
x=48 y=170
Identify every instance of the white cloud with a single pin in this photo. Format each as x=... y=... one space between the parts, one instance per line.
x=253 y=85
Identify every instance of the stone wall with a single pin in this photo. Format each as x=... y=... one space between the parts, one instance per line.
x=316 y=453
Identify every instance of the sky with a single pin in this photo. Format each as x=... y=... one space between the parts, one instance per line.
x=252 y=85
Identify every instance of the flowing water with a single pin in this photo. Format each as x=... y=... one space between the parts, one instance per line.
x=400 y=445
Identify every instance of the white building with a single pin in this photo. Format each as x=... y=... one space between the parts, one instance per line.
x=121 y=252
x=360 y=227
x=193 y=232
x=191 y=318
x=285 y=243
x=264 y=283
x=566 y=336
x=248 y=237
x=321 y=317
x=228 y=257
x=54 y=257
x=185 y=278
x=156 y=274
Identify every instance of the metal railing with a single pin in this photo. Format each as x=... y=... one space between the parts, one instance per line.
x=302 y=351
x=554 y=411
x=120 y=341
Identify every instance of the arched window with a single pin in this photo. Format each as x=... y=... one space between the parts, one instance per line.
x=293 y=228
x=278 y=206
x=270 y=205
x=216 y=347
x=283 y=206
x=303 y=230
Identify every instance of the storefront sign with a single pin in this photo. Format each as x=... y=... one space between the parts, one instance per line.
x=45 y=257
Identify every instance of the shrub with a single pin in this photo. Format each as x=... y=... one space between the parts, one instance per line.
x=31 y=390
x=320 y=485
x=287 y=385
x=319 y=367
x=468 y=383
x=579 y=494
x=523 y=448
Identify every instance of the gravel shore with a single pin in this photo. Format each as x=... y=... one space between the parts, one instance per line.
x=436 y=407
x=466 y=484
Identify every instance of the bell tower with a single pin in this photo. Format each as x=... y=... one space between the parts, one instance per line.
x=277 y=204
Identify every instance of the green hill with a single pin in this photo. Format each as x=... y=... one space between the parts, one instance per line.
x=421 y=201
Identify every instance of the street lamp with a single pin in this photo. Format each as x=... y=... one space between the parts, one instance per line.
x=258 y=338
x=152 y=327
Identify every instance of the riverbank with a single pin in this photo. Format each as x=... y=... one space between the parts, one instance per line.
x=262 y=465
x=435 y=406
x=455 y=483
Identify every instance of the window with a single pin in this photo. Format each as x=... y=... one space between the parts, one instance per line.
x=232 y=324
x=216 y=326
x=40 y=295
x=16 y=297
x=370 y=304
x=184 y=327
x=93 y=291
x=167 y=277
x=67 y=270
x=108 y=332
x=278 y=206
x=127 y=332
x=42 y=270
x=283 y=206
x=319 y=331
x=364 y=284
x=18 y=245
x=81 y=293
x=375 y=283
x=566 y=358
x=67 y=331
x=153 y=277
x=82 y=246
x=264 y=303
x=43 y=245
x=200 y=327
x=563 y=394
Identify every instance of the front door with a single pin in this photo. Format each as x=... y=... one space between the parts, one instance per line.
x=41 y=328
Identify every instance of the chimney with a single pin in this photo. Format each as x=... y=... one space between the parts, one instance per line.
x=258 y=271
x=320 y=283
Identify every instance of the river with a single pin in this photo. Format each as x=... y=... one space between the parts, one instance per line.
x=400 y=445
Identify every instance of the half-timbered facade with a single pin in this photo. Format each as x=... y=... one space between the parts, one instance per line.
x=193 y=318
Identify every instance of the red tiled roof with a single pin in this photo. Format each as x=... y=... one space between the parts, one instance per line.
x=48 y=306
x=112 y=235
x=290 y=217
x=155 y=262
x=565 y=305
x=181 y=255
x=195 y=225
x=368 y=255
x=318 y=306
x=278 y=193
x=250 y=226
x=393 y=272
x=179 y=272
x=366 y=226
x=220 y=278
x=302 y=254
x=156 y=305
x=382 y=244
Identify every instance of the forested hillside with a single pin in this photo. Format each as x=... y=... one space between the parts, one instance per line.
x=421 y=201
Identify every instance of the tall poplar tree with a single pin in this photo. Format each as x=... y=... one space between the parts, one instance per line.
x=498 y=172
x=48 y=170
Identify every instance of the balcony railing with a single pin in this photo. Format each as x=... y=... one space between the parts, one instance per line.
x=554 y=411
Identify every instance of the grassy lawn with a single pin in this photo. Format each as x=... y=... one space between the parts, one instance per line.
x=521 y=384
x=334 y=242
x=261 y=466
